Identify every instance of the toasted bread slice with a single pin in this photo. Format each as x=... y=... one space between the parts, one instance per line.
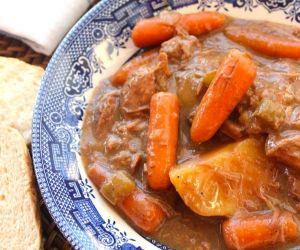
x=19 y=215
x=19 y=83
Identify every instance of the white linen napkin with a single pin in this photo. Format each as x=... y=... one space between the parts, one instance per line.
x=40 y=23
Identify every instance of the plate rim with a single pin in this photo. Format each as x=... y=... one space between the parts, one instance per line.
x=38 y=111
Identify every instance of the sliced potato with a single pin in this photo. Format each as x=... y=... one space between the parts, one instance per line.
x=226 y=179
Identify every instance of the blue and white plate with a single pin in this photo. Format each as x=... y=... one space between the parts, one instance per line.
x=93 y=50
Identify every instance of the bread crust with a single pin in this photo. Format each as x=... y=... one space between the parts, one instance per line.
x=20 y=225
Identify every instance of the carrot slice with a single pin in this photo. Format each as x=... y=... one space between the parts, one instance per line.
x=143 y=211
x=162 y=141
x=267 y=44
x=260 y=230
x=141 y=208
x=233 y=78
x=201 y=22
x=151 y=32
x=120 y=77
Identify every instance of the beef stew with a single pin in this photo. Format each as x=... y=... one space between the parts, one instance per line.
x=197 y=141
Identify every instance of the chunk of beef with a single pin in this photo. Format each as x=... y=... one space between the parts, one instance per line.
x=112 y=143
x=126 y=127
x=162 y=72
x=137 y=125
x=142 y=84
x=180 y=47
x=108 y=107
x=124 y=145
x=285 y=147
x=126 y=160
x=276 y=86
x=232 y=129
x=268 y=104
x=122 y=159
x=137 y=91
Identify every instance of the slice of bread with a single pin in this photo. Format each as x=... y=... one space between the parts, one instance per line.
x=19 y=215
x=19 y=84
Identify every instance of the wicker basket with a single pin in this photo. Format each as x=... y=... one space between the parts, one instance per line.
x=9 y=47
x=13 y=48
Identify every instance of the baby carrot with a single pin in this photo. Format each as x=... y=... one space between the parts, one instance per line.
x=232 y=80
x=162 y=140
x=141 y=208
x=99 y=175
x=154 y=31
x=151 y=32
x=143 y=211
x=260 y=230
x=120 y=77
x=267 y=44
x=201 y=22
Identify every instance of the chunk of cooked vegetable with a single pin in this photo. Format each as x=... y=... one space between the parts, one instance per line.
x=186 y=90
x=117 y=187
x=162 y=142
x=260 y=230
x=120 y=77
x=225 y=180
x=154 y=31
x=142 y=209
x=270 y=113
x=232 y=80
x=267 y=44
x=207 y=79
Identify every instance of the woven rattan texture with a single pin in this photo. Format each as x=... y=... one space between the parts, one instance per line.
x=13 y=48
x=53 y=239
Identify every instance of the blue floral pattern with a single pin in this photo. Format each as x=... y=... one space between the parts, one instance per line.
x=248 y=5
x=61 y=103
x=275 y=4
